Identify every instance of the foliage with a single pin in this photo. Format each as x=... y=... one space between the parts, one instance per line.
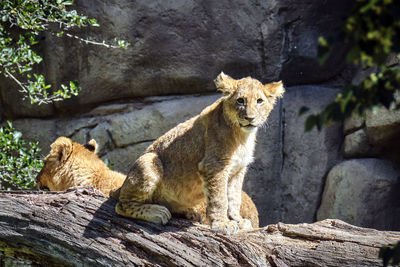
x=390 y=255
x=372 y=32
x=19 y=161
x=17 y=57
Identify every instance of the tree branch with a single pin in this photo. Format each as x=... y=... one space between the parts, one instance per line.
x=80 y=227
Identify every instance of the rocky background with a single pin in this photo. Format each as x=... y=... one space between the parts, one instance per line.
x=133 y=96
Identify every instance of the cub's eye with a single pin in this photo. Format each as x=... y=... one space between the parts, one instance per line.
x=240 y=101
x=260 y=101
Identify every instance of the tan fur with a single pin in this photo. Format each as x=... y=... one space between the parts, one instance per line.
x=70 y=164
x=206 y=156
x=83 y=167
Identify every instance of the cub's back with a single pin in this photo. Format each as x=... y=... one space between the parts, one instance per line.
x=181 y=148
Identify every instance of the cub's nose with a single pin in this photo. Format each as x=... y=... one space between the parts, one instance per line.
x=249 y=119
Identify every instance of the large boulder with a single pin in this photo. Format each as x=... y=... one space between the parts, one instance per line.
x=179 y=47
x=363 y=192
x=375 y=135
x=356 y=144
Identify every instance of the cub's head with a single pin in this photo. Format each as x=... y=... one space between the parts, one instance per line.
x=68 y=164
x=247 y=102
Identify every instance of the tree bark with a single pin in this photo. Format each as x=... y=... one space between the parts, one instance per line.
x=79 y=227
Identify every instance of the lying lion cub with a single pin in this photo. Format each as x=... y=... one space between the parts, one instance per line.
x=71 y=164
x=206 y=156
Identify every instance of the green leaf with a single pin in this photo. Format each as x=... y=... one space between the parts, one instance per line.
x=353 y=55
x=311 y=121
x=17 y=135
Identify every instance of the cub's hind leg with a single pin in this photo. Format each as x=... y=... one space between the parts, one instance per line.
x=137 y=191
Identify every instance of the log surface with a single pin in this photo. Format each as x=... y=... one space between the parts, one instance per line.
x=80 y=228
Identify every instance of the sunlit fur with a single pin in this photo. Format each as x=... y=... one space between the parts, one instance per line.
x=71 y=164
x=206 y=156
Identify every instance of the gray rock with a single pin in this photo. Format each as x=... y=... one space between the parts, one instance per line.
x=363 y=192
x=307 y=157
x=114 y=109
x=69 y=127
x=37 y=130
x=155 y=119
x=81 y=136
x=122 y=159
x=102 y=137
x=393 y=60
x=356 y=144
x=353 y=123
x=287 y=177
x=382 y=125
x=273 y=39
x=303 y=25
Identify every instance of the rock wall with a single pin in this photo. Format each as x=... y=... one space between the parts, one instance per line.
x=364 y=189
x=179 y=47
x=132 y=96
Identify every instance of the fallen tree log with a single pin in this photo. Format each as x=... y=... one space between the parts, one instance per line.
x=80 y=228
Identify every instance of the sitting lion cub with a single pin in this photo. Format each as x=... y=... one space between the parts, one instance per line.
x=71 y=164
x=204 y=156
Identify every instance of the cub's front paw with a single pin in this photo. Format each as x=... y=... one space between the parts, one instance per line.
x=226 y=228
x=155 y=213
x=245 y=224
x=148 y=212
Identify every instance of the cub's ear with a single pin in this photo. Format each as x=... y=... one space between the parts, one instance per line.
x=275 y=89
x=61 y=149
x=91 y=146
x=225 y=84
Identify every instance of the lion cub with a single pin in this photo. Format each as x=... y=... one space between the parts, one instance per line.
x=206 y=156
x=71 y=164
